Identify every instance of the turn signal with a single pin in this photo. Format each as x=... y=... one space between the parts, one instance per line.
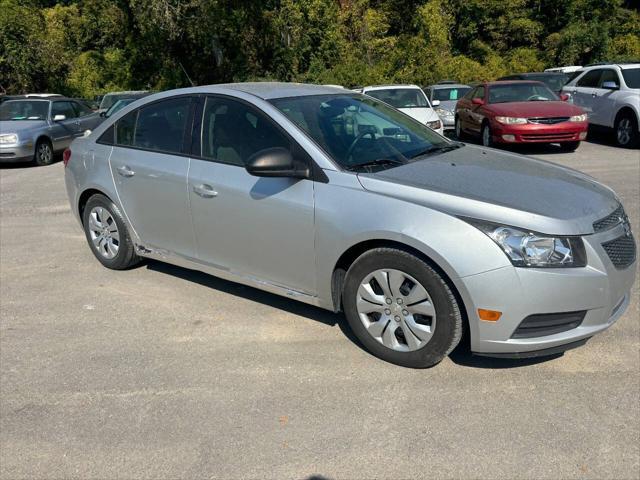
x=489 y=315
x=66 y=156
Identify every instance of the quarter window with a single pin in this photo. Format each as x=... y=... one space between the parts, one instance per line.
x=232 y=132
x=590 y=79
x=609 y=76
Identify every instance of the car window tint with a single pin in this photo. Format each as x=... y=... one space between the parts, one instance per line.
x=232 y=132
x=125 y=129
x=447 y=94
x=63 y=108
x=81 y=110
x=609 y=75
x=590 y=79
x=478 y=93
x=161 y=125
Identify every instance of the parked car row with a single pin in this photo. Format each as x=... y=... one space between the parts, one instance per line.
x=35 y=127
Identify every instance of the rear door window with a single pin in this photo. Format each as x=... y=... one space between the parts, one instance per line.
x=161 y=125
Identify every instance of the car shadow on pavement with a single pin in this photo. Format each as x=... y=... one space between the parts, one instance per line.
x=460 y=356
x=253 y=294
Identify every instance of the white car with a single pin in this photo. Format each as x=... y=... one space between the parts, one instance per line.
x=567 y=69
x=409 y=99
x=610 y=94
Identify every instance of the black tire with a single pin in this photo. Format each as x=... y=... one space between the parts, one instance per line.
x=629 y=122
x=126 y=256
x=448 y=327
x=487 y=141
x=569 y=146
x=460 y=135
x=44 y=152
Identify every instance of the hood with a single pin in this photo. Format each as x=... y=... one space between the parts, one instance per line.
x=15 y=126
x=535 y=109
x=500 y=187
x=422 y=114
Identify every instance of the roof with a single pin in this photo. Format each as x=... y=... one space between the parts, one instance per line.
x=438 y=86
x=507 y=82
x=387 y=87
x=271 y=90
x=537 y=74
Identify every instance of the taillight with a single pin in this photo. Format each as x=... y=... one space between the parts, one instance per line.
x=66 y=156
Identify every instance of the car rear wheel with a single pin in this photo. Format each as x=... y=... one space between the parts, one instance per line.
x=626 y=129
x=487 y=138
x=401 y=309
x=44 y=152
x=107 y=234
x=569 y=146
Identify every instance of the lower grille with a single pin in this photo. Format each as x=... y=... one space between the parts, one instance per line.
x=621 y=251
x=7 y=154
x=543 y=324
x=548 y=120
x=548 y=136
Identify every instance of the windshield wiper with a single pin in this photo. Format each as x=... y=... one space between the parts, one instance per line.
x=438 y=149
x=375 y=163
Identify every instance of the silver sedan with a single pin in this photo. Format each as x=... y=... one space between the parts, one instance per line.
x=338 y=200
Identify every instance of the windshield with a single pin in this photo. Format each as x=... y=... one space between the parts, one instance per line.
x=119 y=105
x=24 y=110
x=631 y=77
x=520 y=92
x=356 y=130
x=401 y=97
x=554 y=82
x=447 y=94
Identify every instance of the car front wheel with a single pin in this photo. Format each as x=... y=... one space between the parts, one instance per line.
x=44 y=152
x=401 y=309
x=569 y=146
x=627 y=131
x=487 y=136
x=107 y=234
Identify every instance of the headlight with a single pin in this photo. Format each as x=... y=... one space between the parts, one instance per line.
x=443 y=112
x=8 y=139
x=579 y=118
x=528 y=249
x=511 y=120
x=435 y=125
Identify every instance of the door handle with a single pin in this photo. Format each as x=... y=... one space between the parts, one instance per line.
x=125 y=171
x=205 y=191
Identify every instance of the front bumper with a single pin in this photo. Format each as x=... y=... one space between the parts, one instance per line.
x=20 y=152
x=599 y=289
x=539 y=133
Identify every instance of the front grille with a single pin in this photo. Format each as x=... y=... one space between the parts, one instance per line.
x=610 y=221
x=558 y=137
x=543 y=324
x=621 y=251
x=548 y=120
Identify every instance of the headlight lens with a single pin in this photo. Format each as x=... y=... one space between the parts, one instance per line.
x=579 y=118
x=528 y=249
x=511 y=120
x=8 y=139
x=435 y=125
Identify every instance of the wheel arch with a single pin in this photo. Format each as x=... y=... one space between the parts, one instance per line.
x=84 y=198
x=626 y=109
x=352 y=253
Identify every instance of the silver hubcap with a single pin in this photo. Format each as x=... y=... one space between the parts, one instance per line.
x=624 y=131
x=44 y=153
x=104 y=232
x=396 y=310
x=486 y=137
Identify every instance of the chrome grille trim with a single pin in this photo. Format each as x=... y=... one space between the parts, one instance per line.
x=548 y=120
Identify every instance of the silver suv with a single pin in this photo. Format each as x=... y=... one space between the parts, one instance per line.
x=338 y=200
x=610 y=94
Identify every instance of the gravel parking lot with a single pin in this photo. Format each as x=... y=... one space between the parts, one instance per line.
x=161 y=372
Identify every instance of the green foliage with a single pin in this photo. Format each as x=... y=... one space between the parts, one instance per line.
x=88 y=47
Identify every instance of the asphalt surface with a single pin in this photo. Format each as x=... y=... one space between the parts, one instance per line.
x=161 y=372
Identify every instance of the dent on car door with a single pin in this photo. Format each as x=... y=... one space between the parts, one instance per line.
x=150 y=174
x=257 y=227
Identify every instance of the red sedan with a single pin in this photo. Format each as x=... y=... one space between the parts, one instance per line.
x=520 y=112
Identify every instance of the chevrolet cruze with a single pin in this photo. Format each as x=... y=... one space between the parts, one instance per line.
x=338 y=200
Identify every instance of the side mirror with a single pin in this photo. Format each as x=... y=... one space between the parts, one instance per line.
x=59 y=118
x=435 y=103
x=103 y=114
x=610 y=86
x=477 y=101
x=564 y=97
x=276 y=162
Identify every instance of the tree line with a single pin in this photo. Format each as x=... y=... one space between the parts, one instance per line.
x=87 y=47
